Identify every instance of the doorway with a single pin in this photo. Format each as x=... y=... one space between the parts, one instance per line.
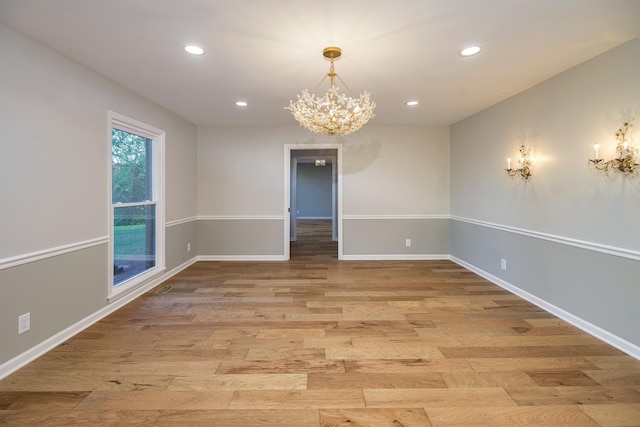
x=313 y=201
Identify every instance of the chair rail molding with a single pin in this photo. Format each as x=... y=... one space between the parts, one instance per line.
x=596 y=247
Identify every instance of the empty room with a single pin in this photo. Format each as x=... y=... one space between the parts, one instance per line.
x=304 y=213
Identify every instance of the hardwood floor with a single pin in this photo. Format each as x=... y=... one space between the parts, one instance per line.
x=321 y=342
x=314 y=241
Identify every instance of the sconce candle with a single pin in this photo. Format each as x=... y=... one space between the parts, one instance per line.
x=626 y=160
x=525 y=165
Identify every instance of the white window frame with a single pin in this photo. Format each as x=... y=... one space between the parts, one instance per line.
x=157 y=136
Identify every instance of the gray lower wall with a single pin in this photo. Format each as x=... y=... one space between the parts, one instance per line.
x=240 y=238
x=382 y=237
x=57 y=291
x=598 y=288
x=252 y=238
x=177 y=238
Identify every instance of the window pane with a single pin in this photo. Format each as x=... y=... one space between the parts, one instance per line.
x=130 y=167
x=133 y=241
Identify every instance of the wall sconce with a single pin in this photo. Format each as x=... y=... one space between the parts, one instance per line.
x=626 y=160
x=525 y=164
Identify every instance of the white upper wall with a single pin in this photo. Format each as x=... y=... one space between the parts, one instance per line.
x=55 y=148
x=397 y=171
x=559 y=119
x=385 y=170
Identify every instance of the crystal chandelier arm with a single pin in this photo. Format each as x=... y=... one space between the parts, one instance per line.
x=601 y=165
x=320 y=82
x=345 y=85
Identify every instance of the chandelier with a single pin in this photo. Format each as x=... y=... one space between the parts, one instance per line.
x=334 y=113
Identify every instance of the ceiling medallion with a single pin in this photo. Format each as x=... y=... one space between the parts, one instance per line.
x=334 y=113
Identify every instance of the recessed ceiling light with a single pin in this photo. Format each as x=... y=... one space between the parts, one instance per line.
x=193 y=49
x=411 y=103
x=241 y=103
x=470 y=51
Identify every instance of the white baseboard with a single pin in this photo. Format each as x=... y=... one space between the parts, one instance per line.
x=50 y=343
x=397 y=257
x=621 y=344
x=242 y=258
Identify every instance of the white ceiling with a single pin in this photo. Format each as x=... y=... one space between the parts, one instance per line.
x=267 y=51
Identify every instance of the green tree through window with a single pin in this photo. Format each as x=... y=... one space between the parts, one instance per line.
x=130 y=180
x=133 y=205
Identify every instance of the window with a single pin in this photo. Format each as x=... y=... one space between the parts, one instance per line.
x=137 y=220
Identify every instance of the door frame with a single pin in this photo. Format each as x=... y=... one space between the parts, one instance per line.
x=293 y=201
x=289 y=174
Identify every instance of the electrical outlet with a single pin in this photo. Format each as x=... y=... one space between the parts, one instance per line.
x=189 y=247
x=24 y=323
x=407 y=243
x=503 y=264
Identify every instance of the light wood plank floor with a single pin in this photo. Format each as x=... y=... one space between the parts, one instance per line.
x=321 y=342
